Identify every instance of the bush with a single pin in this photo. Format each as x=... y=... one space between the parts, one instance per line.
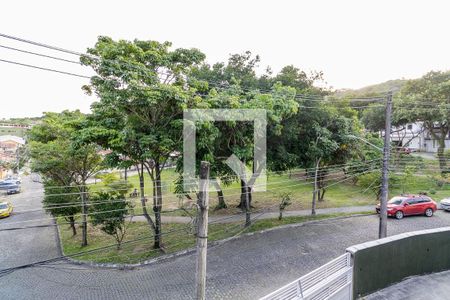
x=110 y=210
x=438 y=180
x=372 y=181
x=285 y=202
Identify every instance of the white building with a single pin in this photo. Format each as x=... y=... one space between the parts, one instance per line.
x=416 y=137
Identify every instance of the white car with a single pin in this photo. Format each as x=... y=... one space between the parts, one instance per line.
x=15 y=179
x=445 y=204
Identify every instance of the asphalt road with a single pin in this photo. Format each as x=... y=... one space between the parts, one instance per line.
x=244 y=268
x=21 y=247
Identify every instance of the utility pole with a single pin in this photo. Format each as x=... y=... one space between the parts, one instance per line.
x=84 y=212
x=313 y=208
x=382 y=232
x=202 y=230
x=248 y=220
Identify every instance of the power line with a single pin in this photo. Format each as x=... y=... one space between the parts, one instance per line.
x=298 y=96
x=40 y=54
x=44 y=69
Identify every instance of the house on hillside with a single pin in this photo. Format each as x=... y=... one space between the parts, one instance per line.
x=9 y=147
x=10 y=143
x=416 y=137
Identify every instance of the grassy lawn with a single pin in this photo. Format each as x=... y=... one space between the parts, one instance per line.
x=337 y=195
x=176 y=237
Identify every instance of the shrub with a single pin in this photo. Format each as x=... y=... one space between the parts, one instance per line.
x=285 y=202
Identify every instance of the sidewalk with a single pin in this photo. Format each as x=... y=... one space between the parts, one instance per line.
x=266 y=215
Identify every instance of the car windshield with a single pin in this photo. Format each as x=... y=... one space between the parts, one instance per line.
x=396 y=200
x=3 y=206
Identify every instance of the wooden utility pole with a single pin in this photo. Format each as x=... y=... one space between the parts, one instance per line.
x=202 y=230
x=382 y=232
x=313 y=207
x=248 y=220
x=84 y=212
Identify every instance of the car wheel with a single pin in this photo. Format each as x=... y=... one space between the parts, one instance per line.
x=399 y=215
x=429 y=212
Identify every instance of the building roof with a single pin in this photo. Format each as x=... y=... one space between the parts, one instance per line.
x=13 y=138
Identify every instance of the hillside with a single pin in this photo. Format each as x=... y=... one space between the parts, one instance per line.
x=17 y=126
x=372 y=90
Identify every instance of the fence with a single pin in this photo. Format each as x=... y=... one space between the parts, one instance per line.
x=330 y=281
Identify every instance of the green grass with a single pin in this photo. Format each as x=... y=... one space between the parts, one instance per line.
x=176 y=237
x=337 y=195
x=20 y=132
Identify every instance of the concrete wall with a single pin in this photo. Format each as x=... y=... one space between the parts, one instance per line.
x=380 y=263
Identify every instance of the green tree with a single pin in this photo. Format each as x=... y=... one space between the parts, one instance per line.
x=58 y=155
x=426 y=100
x=373 y=118
x=62 y=201
x=143 y=85
x=110 y=211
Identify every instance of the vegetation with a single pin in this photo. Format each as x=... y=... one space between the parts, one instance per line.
x=285 y=202
x=110 y=211
x=426 y=99
x=320 y=152
x=63 y=161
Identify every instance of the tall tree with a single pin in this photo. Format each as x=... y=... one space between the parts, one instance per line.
x=58 y=155
x=426 y=100
x=144 y=82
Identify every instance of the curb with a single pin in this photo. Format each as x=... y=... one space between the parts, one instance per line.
x=188 y=251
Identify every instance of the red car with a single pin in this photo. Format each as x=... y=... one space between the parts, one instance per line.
x=408 y=205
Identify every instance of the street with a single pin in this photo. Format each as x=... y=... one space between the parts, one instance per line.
x=20 y=247
x=244 y=268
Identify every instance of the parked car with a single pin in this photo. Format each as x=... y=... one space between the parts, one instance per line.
x=445 y=204
x=15 y=179
x=407 y=205
x=404 y=150
x=8 y=184
x=5 y=184
x=13 y=189
x=5 y=209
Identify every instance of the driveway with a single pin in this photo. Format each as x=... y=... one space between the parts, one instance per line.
x=244 y=268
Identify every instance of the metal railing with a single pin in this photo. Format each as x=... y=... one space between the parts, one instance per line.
x=330 y=281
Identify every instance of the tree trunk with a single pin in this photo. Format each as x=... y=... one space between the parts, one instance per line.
x=72 y=225
x=143 y=202
x=441 y=140
x=157 y=205
x=221 y=199
x=84 y=211
x=321 y=185
x=125 y=174
x=313 y=206
x=441 y=155
x=245 y=190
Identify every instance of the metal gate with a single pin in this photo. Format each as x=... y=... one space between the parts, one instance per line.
x=330 y=281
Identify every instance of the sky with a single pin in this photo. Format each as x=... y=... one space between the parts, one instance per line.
x=355 y=43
